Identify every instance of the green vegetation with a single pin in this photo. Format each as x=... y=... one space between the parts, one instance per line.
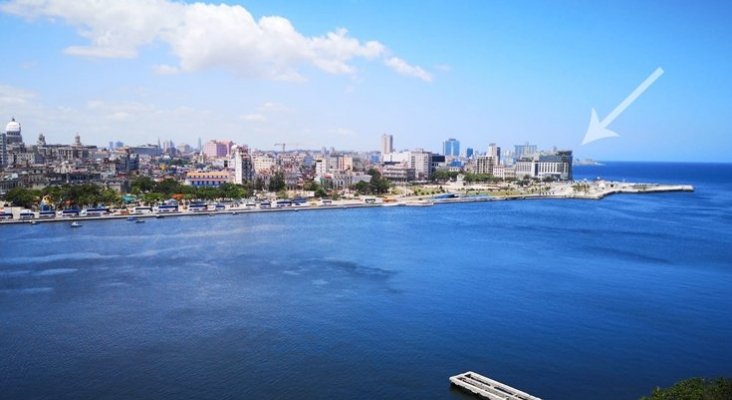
x=277 y=182
x=470 y=178
x=146 y=189
x=64 y=196
x=443 y=175
x=377 y=185
x=316 y=188
x=152 y=192
x=695 y=389
x=21 y=197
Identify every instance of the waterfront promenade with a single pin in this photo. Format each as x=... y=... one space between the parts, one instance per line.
x=565 y=190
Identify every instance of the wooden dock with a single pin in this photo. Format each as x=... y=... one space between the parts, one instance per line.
x=488 y=388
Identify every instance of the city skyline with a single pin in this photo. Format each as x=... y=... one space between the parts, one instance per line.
x=489 y=73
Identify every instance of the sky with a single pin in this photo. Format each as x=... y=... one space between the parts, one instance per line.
x=340 y=73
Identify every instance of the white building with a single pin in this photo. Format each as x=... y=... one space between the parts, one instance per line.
x=264 y=163
x=420 y=160
x=387 y=144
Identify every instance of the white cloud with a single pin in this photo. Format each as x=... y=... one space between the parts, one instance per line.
x=165 y=69
x=402 y=67
x=263 y=112
x=253 y=118
x=11 y=96
x=203 y=36
x=344 y=132
x=443 y=67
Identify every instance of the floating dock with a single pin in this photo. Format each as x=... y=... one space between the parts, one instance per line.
x=488 y=388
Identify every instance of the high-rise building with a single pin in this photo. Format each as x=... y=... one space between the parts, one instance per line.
x=524 y=151
x=420 y=161
x=494 y=152
x=387 y=144
x=451 y=147
x=469 y=152
x=243 y=166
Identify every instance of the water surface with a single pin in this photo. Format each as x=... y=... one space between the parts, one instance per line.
x=564 y=299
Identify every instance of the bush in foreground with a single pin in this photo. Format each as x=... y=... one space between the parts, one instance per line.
x=695 y=389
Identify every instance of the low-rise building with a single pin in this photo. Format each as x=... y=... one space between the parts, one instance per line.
x=208 y=178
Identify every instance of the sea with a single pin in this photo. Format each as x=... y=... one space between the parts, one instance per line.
x=563 y=299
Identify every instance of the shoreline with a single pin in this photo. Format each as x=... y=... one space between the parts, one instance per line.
x=594 y=192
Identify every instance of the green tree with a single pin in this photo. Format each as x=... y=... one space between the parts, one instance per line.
x=695 y=389
x=167 y=187
x=233 y=191
x=363 y=187
x=22 y=197
x=277 y=182
x=142 y=184
x=259 y=184
x=443 y=175
x=311 y=185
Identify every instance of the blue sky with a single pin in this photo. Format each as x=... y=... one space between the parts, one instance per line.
x=479 y=71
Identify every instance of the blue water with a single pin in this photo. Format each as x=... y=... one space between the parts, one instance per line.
x=568 y=300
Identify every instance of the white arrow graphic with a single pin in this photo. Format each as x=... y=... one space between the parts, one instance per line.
x=598 y=129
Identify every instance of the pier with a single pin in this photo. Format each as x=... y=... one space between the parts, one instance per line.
x=488 y=388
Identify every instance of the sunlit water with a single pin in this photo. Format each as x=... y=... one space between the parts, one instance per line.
x=564 y=299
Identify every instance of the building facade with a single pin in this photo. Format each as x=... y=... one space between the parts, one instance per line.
x=451 y=147
x=243 y=165
x=387 y=144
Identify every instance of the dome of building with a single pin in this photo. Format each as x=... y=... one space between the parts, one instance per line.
x=12 y=127
x=12 y=131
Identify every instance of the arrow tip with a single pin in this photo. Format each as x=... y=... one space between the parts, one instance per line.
x=596 y=130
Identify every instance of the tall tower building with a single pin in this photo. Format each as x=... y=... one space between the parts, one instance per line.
x=494 y=152
x=524 y=151
x=451 y=147
x=387 y=144
x=243 y=166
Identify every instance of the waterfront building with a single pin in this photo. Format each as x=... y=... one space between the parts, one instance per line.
x=398 y=172
x=504 y=172
x=387 y=144
x=451 y=147
x=525 y=168
x=557 y=165
x=420 y=161
x=484 y=164
x=243 y=166
x=208 y=178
